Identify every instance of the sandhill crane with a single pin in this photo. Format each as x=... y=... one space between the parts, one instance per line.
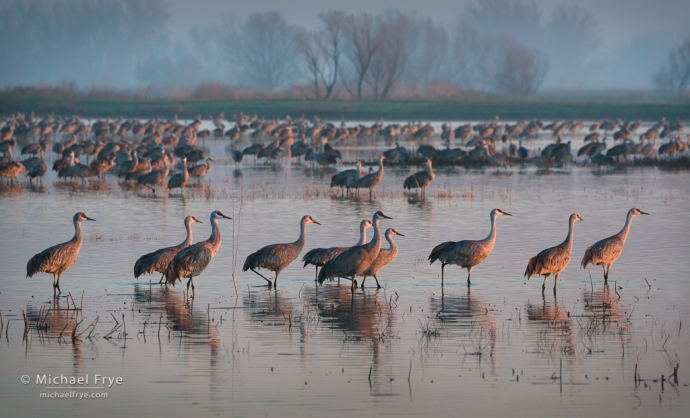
x=421 y=178
x=385 y=257
x=201 y=170
x=180 y=180
x=103 y=165
x=37 y=168
x=276 y=257
x=397 y=155
x=58 y=258
x=320 y=256
x=371 y=180
x=605 y=252
x=160 y=259
x=356 y=260
x=154 y=178
x=347 y=178
x=10 y=170
x=466 y=253
x=555 y=259
x=237 y=156
x=191 y=261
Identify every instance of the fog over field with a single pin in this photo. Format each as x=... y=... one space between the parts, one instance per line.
x=513 y=46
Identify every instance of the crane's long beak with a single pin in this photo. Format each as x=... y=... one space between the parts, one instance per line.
x=315 y=222
x=582 y=220
x=506 y=213
x=226 y=217
x=89 y=219
x=398 y=233
x=643 y=213
x=387 y=217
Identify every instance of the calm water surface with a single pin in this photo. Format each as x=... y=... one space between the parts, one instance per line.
x=408 y=349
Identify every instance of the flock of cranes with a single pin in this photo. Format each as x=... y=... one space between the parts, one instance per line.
x=364 y=259
x=144 y=153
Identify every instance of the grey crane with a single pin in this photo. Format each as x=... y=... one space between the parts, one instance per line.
x=320 y=256
x=420 y=179
x=180 y=180
x=467 y=253
x=160 y=259
x=58 y=258
x=276 y=257
x=605 y=252
x=201 y=170
x=555 y=259
x=356 y=260
x=191 y=261
x=385 y=257
x=154 y=178
x=371 y=180
x=347 y=178
x=10 y=170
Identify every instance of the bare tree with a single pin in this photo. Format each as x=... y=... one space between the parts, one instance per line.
x=674 y=76
x=388 y=63
x=518 y=69
x=470 y=58
x=311 y=54
x=427 y=54
x=363 y=42
x=265 y=49
x=331 y=39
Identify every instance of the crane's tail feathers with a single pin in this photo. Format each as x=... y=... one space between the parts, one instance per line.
x=172 y=273
x=533 y=267
x=325 y=273
x=587 y=259
x=142 y=266
x=436 y=252
x=33 y=266
x=251 y=262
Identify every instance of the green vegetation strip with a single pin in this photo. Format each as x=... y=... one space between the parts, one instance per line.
x=368 y=110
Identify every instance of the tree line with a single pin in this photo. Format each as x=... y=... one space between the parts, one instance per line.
x=505 y=46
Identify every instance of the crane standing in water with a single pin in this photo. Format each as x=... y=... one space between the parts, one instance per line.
x=160 y=260
x=276 y=257
x=356 y=260
x=58 y=258
x=466 y=253
x=191 y=261
x=320 y=256
x=555 y=259
x=384 y=258
x=605 y=252
x=420 y=179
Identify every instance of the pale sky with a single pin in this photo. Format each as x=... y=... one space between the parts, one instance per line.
x=618 y=19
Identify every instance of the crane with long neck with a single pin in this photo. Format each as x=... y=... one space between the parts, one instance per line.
x=555 y=259
x=320 y=256
x=356 y=260
x=606 y=251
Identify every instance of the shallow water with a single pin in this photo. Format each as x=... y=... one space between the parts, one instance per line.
x=410 y=348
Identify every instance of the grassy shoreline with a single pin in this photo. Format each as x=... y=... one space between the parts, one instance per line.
x=367 y=110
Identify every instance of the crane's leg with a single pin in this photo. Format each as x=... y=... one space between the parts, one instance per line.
x=316 y=274
x=555 y=282
x=189 y=282
x=262 y=276
x=378 y=286
x=192 y=280
x=275 y=281
x=161 y=280
x=57 y=284
x=606 y=274
x=443 y=266
x=469 y=273
x=543 y=285
x=364 y=280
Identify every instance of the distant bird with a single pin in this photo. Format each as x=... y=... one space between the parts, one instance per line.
x=237 y=156
x=201 y=170
x=385 y=257
x=39 y=170
x=180 y=180
x=320 y=256
x=10 y=170
x=420 y=179
x=397 y=155
x=160 y=259
x=356 y=260
x=191 y=261
x=58 y=258
x=347 y=178
x=371 y=180
x=522 y=151
x=555 y=259
x=466 y=253
x=276 y=257
x=605 y=252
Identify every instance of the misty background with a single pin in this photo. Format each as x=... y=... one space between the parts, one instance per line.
x=355 y=49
